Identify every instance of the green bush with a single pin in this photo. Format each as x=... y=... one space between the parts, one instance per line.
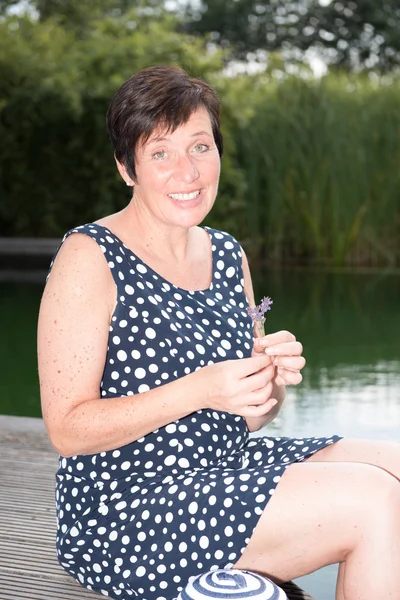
x=310 y=171
x=56 y=162
x=321 y=161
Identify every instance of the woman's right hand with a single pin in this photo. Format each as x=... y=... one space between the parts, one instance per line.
x=241 y=387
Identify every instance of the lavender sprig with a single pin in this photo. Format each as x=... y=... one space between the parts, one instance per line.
x=257 y=315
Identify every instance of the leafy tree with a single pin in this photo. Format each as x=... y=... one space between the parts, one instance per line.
x=77 y=14
x=353 y=34
x=56 y=163
x=5 y=5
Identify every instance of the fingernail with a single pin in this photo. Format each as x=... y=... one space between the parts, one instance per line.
x=269 y=351
x=274 y=403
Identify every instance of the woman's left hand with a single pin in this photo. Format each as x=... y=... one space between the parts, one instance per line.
x=285 y=352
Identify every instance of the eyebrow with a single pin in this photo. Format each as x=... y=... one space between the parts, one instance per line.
x=165 y=139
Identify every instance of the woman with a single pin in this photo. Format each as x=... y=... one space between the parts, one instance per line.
x=151 y=381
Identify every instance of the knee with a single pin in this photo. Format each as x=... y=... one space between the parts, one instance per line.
x=377 y=500
x=382 y=489
x=387 y=496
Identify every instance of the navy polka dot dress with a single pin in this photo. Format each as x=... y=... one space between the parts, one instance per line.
x=139 y=521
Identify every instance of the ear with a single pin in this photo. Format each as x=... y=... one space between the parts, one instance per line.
x=124 y=173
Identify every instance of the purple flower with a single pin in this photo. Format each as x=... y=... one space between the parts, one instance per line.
x=257 y=312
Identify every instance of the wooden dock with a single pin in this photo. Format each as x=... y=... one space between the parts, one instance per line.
x=29 y=568
x=28 y=565
x=12 y=246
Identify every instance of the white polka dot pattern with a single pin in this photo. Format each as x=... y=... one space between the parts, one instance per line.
x=141 y=520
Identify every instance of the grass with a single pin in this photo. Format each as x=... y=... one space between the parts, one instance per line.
x=321 y=161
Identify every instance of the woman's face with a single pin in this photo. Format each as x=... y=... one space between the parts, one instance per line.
x=178 y=173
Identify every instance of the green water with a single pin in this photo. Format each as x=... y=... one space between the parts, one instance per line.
x=19 y=389
x=349 y=325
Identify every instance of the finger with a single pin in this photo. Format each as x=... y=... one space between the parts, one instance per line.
x=257 y=397
x=261 y=409
x=287 y=349
x=256 y=352
x=280 y=337
x=257 y=381
x=290 y=363
x=258 y=347
x=260 y=385
x=290 y=377
x=247 y=366
x=278 y=380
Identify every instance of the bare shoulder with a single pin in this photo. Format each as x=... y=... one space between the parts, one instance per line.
x=80 y=269
x=78 y=248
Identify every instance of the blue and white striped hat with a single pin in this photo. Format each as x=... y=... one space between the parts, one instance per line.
x=231 y=584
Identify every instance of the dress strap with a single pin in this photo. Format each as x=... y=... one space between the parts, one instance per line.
x=227 y=257
x=113 y=249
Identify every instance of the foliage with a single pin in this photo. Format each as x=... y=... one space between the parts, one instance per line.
x=321 y=162
x=310 y=169
x=352 y=34
x=56 y=164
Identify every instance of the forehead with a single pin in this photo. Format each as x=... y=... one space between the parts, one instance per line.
x=198 y=122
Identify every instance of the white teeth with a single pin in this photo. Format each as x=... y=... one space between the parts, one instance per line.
x=185 y=196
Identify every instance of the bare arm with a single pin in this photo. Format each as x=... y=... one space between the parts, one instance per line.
x=278 y=392
x=74 y=319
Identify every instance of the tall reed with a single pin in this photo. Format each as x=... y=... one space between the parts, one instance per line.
x=321 y=160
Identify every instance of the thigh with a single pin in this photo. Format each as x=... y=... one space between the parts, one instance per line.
x=315 y=517
x=382 y=454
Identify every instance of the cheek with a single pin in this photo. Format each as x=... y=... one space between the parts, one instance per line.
x=156 y=175
x=213 y=169
x=217 y=172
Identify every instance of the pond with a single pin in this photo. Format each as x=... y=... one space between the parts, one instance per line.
x=348 y=323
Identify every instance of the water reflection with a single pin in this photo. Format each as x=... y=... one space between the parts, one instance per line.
x=362 y=400
x=350 y=400
x=349 y=325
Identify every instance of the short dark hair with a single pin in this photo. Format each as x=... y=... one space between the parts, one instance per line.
x=157 y=96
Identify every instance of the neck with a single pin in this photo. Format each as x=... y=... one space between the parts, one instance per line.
x=163 y=242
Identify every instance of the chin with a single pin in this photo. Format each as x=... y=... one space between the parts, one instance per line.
x=193 y=219
x=190 y=217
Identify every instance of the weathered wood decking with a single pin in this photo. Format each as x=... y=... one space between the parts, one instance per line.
x=28 y=566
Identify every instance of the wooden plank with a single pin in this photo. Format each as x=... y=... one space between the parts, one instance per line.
x=29 y=569
x=16 y=586
x=12 y=246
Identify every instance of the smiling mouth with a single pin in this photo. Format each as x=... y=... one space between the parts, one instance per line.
x=183 y=197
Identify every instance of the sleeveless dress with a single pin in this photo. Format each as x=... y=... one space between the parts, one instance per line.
x=140 y=520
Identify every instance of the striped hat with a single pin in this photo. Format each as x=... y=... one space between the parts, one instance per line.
x=232 y=584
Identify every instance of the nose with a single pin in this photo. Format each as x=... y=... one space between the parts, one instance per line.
x=186 y=169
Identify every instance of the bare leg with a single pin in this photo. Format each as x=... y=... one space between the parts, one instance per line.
x=329 y=512
x=385 y=455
